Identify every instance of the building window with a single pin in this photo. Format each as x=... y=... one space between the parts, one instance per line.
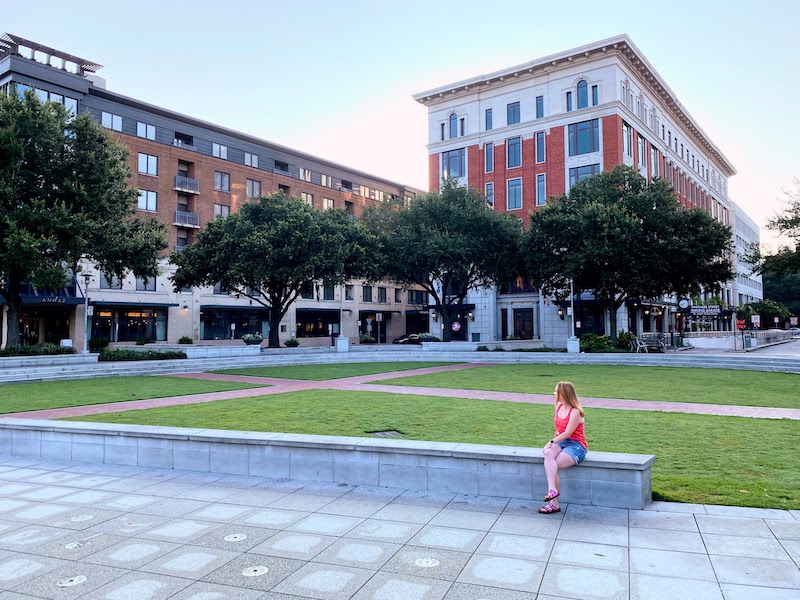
x=115 y=283
x=325 y=180
x=512 y=113
x=348 y=292
x=453 y=164
x=539 y=107
x=642 y=152
x=219 y=290
x=569 y=101
x=441 y=137
x=453 y=120
x=145 y=284
x=398 y=295
x=584 y=137
x=148 y=165
x=514 y=197
x=143 y=130
x=489 y=150
x=488 y=119
x=382 y=294
x=284 y=189
x=222 y=181
x=327 y=292
x=110 y=121
x=253 y=188
x=305 y=174
x=462 y=129
x=307 y=198
x=514 y=152
x=366 y=293
x=307 y=290
x=327 y=203
x=540 y=155
x=489 y=191
x=251 y=160
x=221 y=211
x=219 y=151
x=595 y=96
x=148 y=200
x=583 y=94
x=627 y=139
x=416 y=297
x=579 y=173
x=541 y=190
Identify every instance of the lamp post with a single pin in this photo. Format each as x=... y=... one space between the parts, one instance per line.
x=573 y=344
x=86 y=278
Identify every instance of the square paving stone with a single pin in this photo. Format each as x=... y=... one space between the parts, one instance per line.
x=464 y=519
x=325 y=582
x=128 y=525
x=9 y=526
x=448 y=538
x=128 y=502
x=28 y=537
x=78 y=545
x=22 y=473
x=375 y=492
x=289 y=544
x=597 y=514
x=516 y=546
x=43 y=494
x=326 y=524
x=489 y=504
x=663 y=520
x=9 y=504
x=141 y=586
x=272 y=518
x=502 y=572
x=576 y=531
x=220 y=513
x=301 y=502
x=182 y=531
x=82 y=518
x=793 y=549
x=385 y=531
x=171 y=507
x=352 y=507
x=468 y=591
x=585 y=554
x=422 y=498
x=53 y=477
x=358 y=553
x=236 y=538
x=679 y=507
x=733 y=526
x=208 y=493
x=785 y=530
x=522 y=507
x=327 y=488
x=587 y=584
x=190 y=562
x=240 y=482
x=254 y=571
x=733 y=545
x=253 y=497
x=213 y=591
x=92 y=481
x=406 y=513
x=169 y=489
x=286 y=486
x=671 y=564
x=748 y=511
x=756 y=572
x=651 y=587
x=17 y=568
x=747 y=592
x=432 y=563
x=538 y=526
x=660 y=539
x=10 y=489
x=71 y=581
x=391 y=586
x=39 y=512
x=86 y=497
x=128 y=485
x=130 y=554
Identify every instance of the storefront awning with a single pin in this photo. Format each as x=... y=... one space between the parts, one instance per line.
x=417 y=312
x=134 y=304
x=29 y=300
x=318 y=311
x=233 y=307
x=451 y=307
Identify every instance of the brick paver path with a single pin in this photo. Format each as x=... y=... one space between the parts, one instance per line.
x=365 y=383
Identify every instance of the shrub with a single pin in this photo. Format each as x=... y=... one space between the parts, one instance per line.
x=186 y=340
x=482 y=349
x=366 y=338
x=428 y=337
x=116 y=355
x=45 y=349
x=291 y=343
x=512 y=338
x=498 y=349
x=98 y=344
x=252 y=337
x=591 y=342
x=143 y=340
x=624 y=339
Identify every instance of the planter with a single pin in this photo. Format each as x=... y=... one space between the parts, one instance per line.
x=252 y=342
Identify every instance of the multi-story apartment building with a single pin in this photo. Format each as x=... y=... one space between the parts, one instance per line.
x=529 y=132
x=190 y=172
x=748 y=286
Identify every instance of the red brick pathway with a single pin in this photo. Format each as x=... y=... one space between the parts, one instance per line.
x=363 y=383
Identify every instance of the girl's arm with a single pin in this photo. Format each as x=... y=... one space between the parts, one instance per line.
x=572 y=425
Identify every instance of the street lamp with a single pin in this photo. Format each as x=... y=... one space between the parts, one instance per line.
x=573 y=345
x=86 y=278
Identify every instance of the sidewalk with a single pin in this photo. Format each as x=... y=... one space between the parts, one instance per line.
x=70 y=530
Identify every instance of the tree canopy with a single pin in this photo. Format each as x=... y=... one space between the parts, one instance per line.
x=787 y=259
x=620 y=236
x=64 y=195
x=447 y=244
x=270 y=249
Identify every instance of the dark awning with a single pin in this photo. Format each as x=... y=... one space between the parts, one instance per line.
x=317 y=311
x=133 y=304
x=451 y=306
x=417 y=312
x=231 y=307
x=383 y=312
x=28 y=300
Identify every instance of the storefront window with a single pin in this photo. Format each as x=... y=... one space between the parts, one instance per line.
x=215 y=324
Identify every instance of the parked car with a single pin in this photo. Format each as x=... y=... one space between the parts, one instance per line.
x=409 y=339
x=794 y=331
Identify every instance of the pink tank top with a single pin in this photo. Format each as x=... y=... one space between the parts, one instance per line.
x=561 y=426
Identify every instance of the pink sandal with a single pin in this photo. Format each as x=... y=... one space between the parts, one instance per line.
x=549 y=509
x=551 y=495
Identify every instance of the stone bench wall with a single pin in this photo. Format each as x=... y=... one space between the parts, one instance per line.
x=603 y=479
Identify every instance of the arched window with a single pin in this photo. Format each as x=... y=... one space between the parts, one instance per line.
x=583 y=94
x=453 y=126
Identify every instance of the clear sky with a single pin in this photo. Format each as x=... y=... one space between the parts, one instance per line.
x=335 y=79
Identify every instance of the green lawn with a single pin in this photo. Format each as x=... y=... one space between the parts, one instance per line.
x=704 y=459
x=669 y=384
x=334 y=371
x=18 y=397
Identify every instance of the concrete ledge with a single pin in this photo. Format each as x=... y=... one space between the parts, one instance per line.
x=47 y=360
x=603 y=479
x=199 y=350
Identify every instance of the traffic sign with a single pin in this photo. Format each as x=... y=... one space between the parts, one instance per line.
x=456 y=326
x=741 y=324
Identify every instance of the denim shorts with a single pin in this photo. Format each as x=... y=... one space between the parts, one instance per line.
x=573 y=449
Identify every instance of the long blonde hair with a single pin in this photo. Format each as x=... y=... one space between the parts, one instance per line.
x=566 y=393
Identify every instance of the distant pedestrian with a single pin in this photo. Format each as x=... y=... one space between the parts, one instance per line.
x=568 y=446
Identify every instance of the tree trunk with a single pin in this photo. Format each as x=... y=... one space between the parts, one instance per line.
x=613 y=318
x=446 y=323
x=14 y=301
x=274 y=327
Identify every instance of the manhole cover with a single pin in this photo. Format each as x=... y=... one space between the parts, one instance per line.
x=255 y=571
x=235 y=537
x=426 y=562
x=74 y=545
x=387 y=433
x=70 y=581
x=82 y=518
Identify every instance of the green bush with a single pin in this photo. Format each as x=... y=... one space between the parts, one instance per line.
x=366 y=338
x=45 y=349
x=498 y=349
x=98 y=344
x=116 y=355
x=428 y=337
x=291 y=343
x=513 y=338
x=482 y=349
x=185 y=340
x=143 y=340
x=624 y=339
x=591 y=342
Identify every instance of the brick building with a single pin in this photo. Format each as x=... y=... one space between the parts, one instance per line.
x=189 y=172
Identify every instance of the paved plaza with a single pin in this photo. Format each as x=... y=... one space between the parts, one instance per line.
x=70 y=530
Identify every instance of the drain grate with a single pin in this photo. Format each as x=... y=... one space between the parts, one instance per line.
x=386 y=433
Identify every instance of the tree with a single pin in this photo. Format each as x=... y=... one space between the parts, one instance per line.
x=783 y=288
x=786 y=260
x=622 y=237
x=767 y=310
x=270 y=249
x=447 y=244
x=64 y=195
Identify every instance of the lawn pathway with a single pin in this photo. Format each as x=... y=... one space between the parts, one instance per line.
x=365 y=383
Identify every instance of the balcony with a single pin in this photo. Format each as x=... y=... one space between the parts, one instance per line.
x=187 y=185
x=183 y=144
x=187 y=219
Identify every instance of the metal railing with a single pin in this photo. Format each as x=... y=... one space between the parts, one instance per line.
x=187 y=219
x=182 y=144
x=187 y=184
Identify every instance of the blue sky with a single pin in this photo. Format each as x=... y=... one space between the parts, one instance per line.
x=335 y=78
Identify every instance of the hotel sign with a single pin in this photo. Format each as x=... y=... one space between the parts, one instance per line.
x=54 y=300
x=712 y=310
